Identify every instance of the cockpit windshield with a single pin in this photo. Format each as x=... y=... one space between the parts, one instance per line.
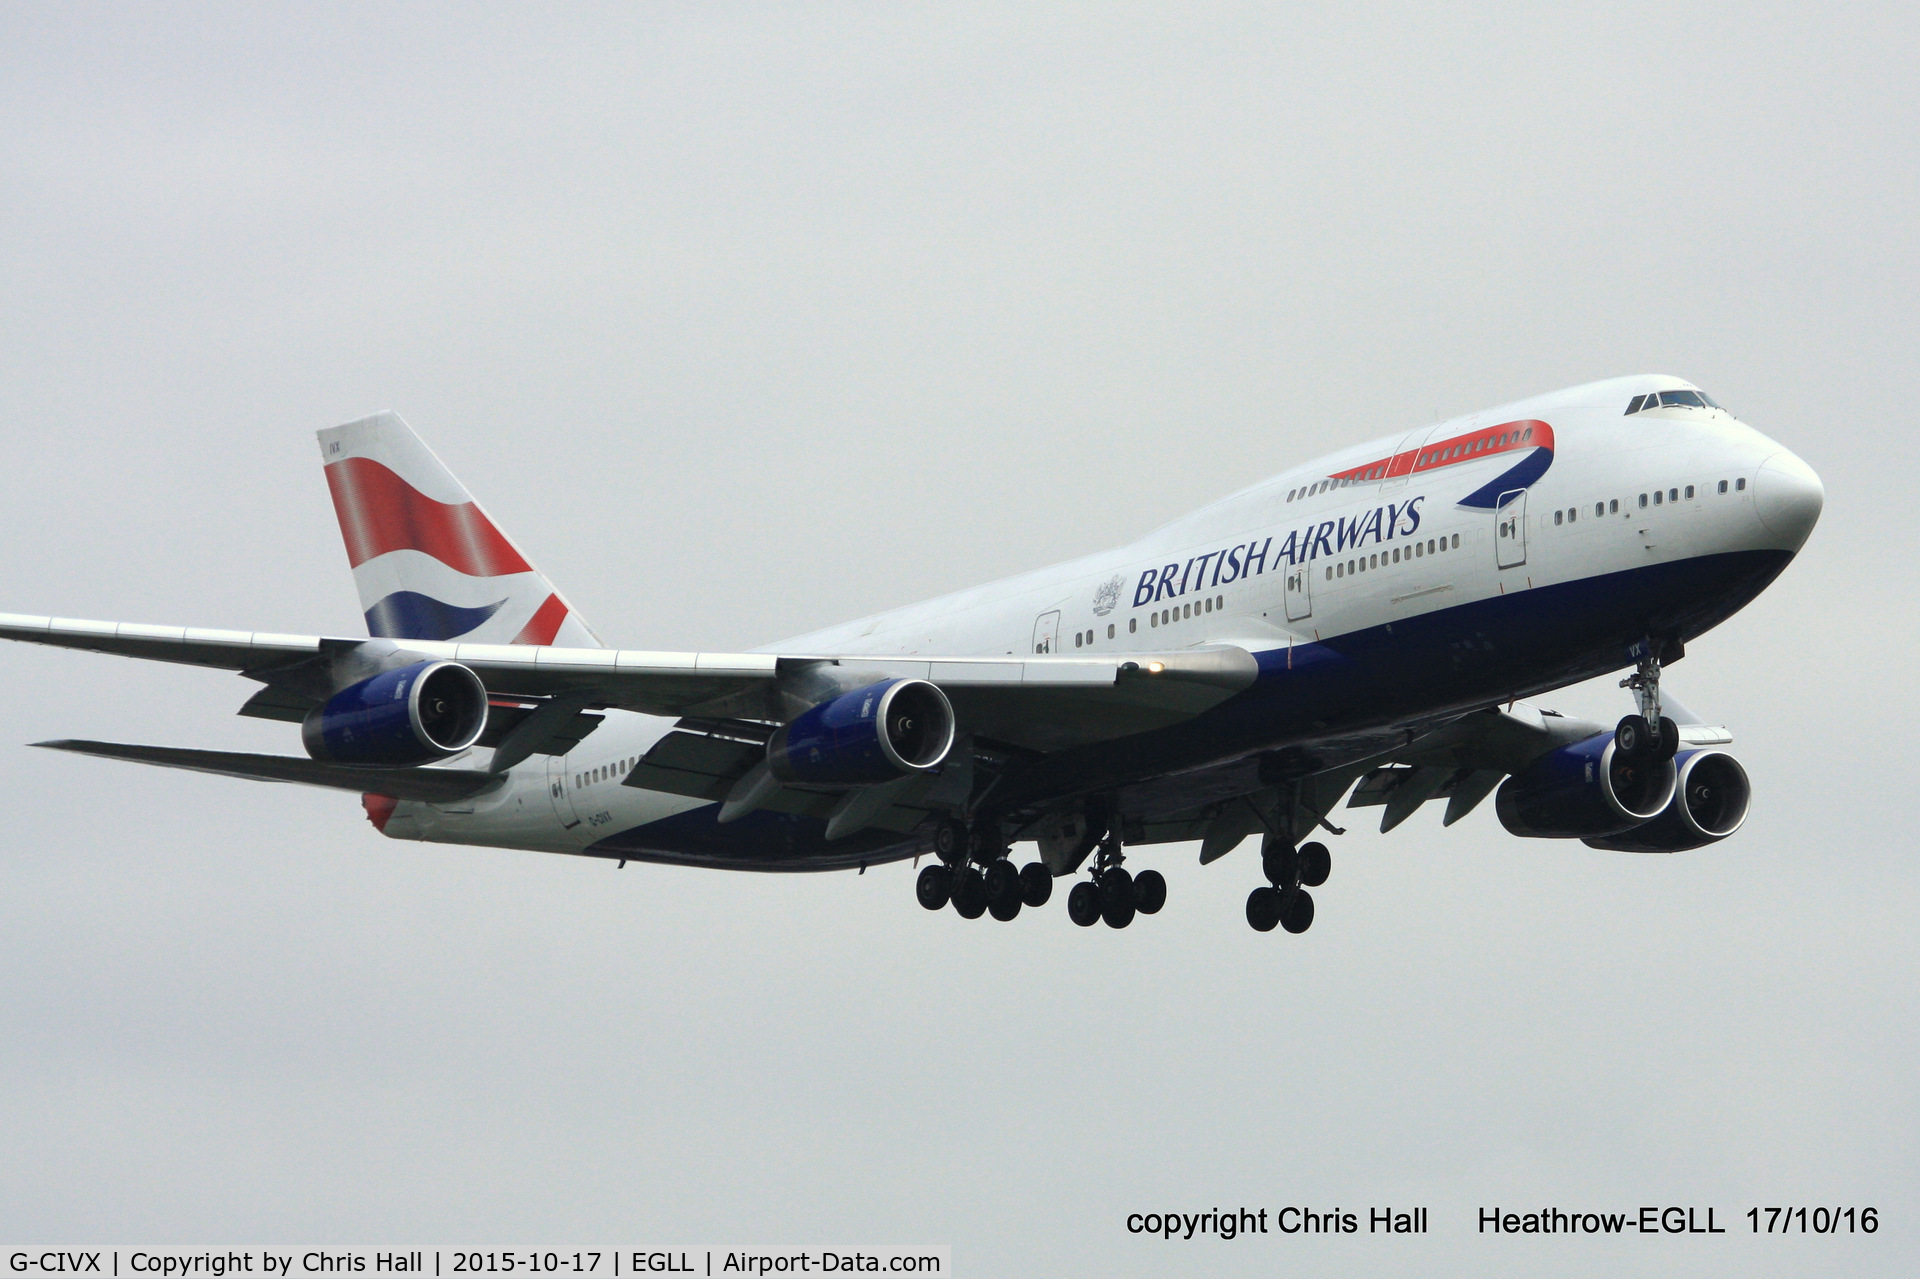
x=1672 y=399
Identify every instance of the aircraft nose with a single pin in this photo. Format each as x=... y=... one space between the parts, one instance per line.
x=1787 y=496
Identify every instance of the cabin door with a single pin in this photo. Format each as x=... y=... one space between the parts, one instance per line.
x=1046 y=632
x=1299 y=592
x=559 y=790
x=1510 y=529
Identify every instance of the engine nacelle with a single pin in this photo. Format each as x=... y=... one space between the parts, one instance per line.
x=1586 y=789
x=413 y=715
x=1709 y=804
x=873 y=734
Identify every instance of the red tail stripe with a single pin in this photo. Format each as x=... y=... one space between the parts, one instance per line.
x=380 y=512
x=545 y=623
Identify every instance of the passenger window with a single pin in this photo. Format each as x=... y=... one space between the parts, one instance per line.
x=1643 y=500
x=1219 y=601
x=1613 y=507
x=1456 y=541
x=1723 y=486
x=1689 y=492
x=1329 y=572
x=1558 y=516
x=1153 y=619
x=1673 y=495
x=1076 y=639
x=1740 y=484
x=1341 y=569
x=1573 y=513
x=1599 y=508
x=1133 y=625
x=1656 y=497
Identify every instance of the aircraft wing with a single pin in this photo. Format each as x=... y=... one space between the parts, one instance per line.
x=1035 y=702
x=429 y=785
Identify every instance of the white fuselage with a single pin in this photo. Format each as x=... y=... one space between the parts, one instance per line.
x=1591 y=513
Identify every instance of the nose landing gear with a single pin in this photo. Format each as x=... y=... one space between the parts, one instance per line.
x=1648 y=737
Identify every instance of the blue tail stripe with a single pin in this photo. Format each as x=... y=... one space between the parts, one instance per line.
x=1531 y=468
x=411 y=615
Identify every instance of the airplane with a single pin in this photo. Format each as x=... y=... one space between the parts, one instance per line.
x=1367 y=626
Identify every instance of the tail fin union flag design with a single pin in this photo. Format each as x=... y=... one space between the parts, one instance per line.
x=1530 y=442
x=381 y=515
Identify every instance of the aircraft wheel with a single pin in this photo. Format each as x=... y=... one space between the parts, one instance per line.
x=1036 y=884
x=1669 y=738
x=949 y=839
x=1117 y=910
x=1281 y=864
x=1003 y=881
x=1634 y=738
x=934 y=887
x=1149 y=891
x=1316 y=863
x=970 y=896
x=1263 y=909
x=1296 y=912
x=1083 y=904
x=1005 y=908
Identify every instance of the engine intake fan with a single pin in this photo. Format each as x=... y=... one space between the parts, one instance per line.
x=1709 y=804
x=1586 y=789
x=873 y=734
x=412 y=715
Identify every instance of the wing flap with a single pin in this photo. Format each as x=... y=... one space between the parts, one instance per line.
x=428 y=785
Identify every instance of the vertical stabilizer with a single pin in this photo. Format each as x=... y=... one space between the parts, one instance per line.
x=428 y=561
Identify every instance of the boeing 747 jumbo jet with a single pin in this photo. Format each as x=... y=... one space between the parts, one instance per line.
x=1359 y=627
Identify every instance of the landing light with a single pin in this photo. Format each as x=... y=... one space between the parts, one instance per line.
x=1154 y=668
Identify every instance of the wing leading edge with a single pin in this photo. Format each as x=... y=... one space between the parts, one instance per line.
x=1043 y=703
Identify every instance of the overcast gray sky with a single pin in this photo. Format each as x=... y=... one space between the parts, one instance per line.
x=747 y=319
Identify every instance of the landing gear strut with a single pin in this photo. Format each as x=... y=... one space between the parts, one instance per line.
x=976 y=875
x=1113 y=894
x=1290 y=872
x=1649 y=736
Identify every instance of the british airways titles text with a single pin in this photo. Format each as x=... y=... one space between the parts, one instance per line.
x=1303 y=546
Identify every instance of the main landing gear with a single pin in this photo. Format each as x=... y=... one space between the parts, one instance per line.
x=1290 y=872
x=1649 y=737
x=1113 y=894
x=978 y=877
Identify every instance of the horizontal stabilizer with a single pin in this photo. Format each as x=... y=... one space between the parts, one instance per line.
x=428 y=785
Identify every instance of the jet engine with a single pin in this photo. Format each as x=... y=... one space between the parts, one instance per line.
x=873 y=734
x=1709 y=804
x=1585 y=789
x=412 y=715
